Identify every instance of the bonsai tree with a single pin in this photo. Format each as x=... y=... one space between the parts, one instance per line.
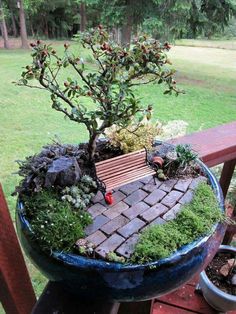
x=109 y=87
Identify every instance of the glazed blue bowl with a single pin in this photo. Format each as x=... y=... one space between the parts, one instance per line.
x=98 y=279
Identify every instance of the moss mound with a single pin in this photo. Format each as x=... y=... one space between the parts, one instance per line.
x=195 y=220
x=56 y=224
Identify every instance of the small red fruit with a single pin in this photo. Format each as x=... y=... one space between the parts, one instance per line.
x=109 y=198
x=38 y=42
x=66 y=46
x=32 y=45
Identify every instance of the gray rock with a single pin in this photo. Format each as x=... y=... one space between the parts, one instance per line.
x=63 y=171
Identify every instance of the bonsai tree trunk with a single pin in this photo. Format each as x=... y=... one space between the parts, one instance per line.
x=3 y=27
x=92 y=145
x=83 y=19
x=23 y=32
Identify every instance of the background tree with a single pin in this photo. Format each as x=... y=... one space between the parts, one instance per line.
x=217 y=14
x=3 y=27
x=23 y=31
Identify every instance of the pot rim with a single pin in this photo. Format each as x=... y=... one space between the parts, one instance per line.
x=85 y=262
x=209 y=283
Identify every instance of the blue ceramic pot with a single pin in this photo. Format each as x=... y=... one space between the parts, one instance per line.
x=98 y=279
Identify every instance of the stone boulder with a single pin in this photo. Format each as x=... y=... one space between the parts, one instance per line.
x=62 y=172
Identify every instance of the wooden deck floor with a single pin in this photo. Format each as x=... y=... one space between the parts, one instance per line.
x=183 y=301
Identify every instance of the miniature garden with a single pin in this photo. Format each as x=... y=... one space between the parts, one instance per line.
x=67 y=204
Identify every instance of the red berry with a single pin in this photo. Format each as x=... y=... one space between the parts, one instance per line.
x=32 y=45
x=66 y=46
x=38 y=42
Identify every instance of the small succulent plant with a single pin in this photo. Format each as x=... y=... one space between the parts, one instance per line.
x=80 y=195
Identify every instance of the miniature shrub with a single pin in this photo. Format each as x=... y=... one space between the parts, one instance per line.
x=195 y=220
x=134 y=137
x=56 y=225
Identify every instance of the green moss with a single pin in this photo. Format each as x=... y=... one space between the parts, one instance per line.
x=56 y=224
x=195 y=219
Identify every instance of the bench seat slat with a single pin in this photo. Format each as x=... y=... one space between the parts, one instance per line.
x=129 y=175
x=111 y=186
x=124 y=163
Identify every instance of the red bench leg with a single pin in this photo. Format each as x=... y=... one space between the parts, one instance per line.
x=16 y=292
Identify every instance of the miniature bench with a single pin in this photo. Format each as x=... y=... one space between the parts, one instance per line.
x=124 y=169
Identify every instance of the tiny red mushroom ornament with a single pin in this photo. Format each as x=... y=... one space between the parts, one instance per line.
x=109 y=198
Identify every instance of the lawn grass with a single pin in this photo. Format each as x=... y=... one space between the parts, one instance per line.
x=208 y=75
x=222 y=44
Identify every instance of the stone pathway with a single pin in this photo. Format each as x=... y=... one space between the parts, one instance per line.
x=116 y=228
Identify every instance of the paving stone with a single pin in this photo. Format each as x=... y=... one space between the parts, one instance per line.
x=154 y=212
x=172 y=213
x=158 y=182
x=132 y=227
x=96 y=209
x=196 y=181
x=147 y=179
x=114 y=224
x=97 y=223
x=135 y=197
x=127 y=248
x=157 y=221
x=187 y=198
x=172 y=198
x=182 y=185
x=155 y=197
x=177 y=208
x=167 y=186
x=131 y=187
x=116 y=210
x=97 y=238
x=135 y=210
x=109 y=245
x=150 y=187
x=98 y=197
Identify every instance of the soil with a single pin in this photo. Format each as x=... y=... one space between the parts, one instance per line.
x=220 y=281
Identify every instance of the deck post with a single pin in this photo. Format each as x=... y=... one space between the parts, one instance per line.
x=226 y=175
x=16 y=292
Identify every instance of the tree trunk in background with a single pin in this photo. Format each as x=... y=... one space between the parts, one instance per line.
x=3 y=27
x=23 y=32
x=126 y=30
x=14 y=29
x=83 y=19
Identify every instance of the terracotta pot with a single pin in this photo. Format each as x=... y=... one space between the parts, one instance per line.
x=158 y=160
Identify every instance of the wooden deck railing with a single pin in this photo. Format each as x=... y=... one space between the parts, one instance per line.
x=215 y=146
